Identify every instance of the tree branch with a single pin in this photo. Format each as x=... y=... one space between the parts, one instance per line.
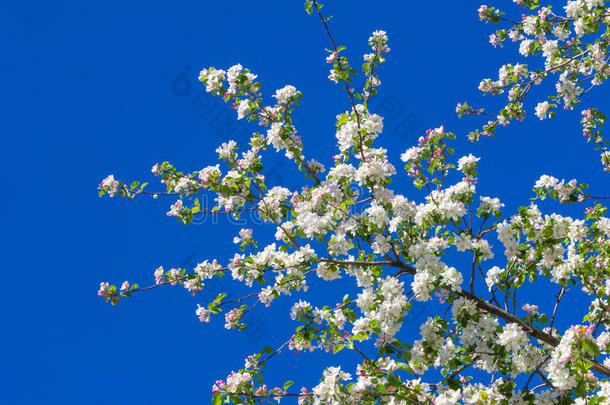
x=530 y=330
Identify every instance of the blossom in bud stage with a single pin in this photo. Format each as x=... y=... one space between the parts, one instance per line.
x=333 y=76
x=210 y=174
x=225 y=151
x=213 y=79
x=494 y=40
x=111 y=185
x=175 y=209
x=159 y=274
x=244 y=235
x=203 y=313
x=378 y=42
x=103 y=291
x=530 y=309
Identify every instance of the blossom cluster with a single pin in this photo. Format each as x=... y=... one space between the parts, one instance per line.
x=592 y=121
x=399 y=249
x=568 y=50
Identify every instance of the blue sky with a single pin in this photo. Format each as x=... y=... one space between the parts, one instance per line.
x=92 y=89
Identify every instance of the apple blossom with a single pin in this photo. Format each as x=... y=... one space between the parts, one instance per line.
x=437 y=246
x=541 y=109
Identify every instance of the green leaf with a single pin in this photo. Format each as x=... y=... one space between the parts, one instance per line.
x=287 y=384
x=216 y=399
x=591 y=347
x=360 y=336
x=308 y=7
x=219 y=298
x=543 y=319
